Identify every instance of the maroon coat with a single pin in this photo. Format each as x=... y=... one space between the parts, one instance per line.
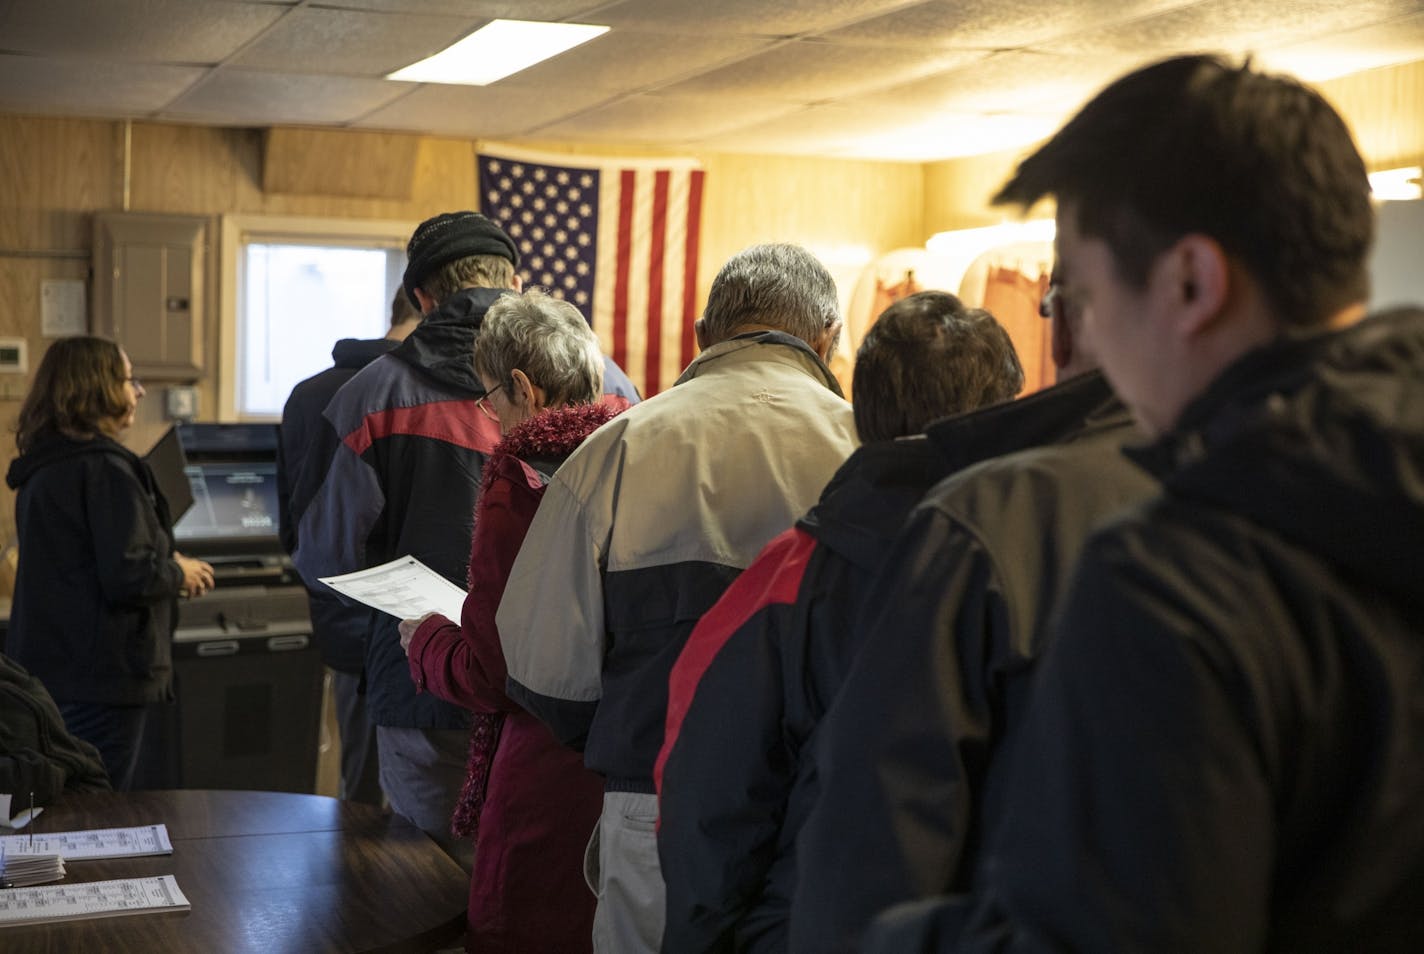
x=527 y=892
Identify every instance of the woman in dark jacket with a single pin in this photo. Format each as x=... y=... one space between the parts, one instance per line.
x=98 y=579
x=531 y=801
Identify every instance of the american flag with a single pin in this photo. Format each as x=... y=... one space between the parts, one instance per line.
x=618 y=239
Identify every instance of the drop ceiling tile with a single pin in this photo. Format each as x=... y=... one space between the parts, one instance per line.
x=488 y=9
x=142 y=31
x=245 y=98
x=1234 y=26
x=993 y=24
x=1006 y=82
x=352 y=42
x=1352 y=51
x=662 y=119
x=35 y=84
x=839 y=130
x=807 y=71
x=745 y=17
x=625 y=60
x=485 y=112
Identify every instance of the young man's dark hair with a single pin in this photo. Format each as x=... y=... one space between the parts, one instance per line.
x=926 y=357
x=1258 y=162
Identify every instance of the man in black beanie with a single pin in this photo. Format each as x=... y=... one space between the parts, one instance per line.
x=411 y=442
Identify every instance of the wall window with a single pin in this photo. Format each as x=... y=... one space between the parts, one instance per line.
x=291 y=289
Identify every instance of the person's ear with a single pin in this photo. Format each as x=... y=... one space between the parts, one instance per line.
x=699 y=328
x=825 y=346
x=518 y=283
x=1198 y=282
x=526 y=393
x=427 y=303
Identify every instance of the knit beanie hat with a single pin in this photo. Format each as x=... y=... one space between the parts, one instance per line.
x=450 y=236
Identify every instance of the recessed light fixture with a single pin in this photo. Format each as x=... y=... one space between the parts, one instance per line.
x=496 y=50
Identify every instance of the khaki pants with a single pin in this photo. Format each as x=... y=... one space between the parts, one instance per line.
x=621 y=866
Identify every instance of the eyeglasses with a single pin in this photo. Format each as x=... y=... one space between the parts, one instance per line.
x=484 y=405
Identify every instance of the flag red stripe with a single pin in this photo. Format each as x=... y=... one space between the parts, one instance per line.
x=656 y=258
x=689 y=267
x=625 y=257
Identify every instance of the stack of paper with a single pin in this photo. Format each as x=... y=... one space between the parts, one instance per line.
x=96 y=899
x=93 y=844
x=18 y=870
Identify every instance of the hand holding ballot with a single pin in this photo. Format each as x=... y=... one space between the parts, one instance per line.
x=407 y=630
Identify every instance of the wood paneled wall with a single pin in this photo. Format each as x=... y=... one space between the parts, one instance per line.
x=55 y=173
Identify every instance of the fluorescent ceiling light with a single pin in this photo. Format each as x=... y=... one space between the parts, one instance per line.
x=1397 y=183
x=496 y=50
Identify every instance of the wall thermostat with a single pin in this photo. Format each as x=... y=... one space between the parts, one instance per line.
x=14 y=356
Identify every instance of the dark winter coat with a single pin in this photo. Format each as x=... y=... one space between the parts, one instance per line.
x=1225 y=744
x=337 y=627
x=37 y=753
x=958 y=608
x=96 y=590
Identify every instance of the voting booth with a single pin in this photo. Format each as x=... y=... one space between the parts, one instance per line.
x=247 y=676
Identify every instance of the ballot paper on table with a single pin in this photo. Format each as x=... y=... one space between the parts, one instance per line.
x=93 y=844
x=404 y=587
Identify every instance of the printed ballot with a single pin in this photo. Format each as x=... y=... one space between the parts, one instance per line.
x=404 y=588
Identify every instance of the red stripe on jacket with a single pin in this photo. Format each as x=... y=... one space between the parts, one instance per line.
x=774 y=578
x=457 y=422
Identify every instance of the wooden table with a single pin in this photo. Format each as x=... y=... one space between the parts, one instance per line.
x=266 y=873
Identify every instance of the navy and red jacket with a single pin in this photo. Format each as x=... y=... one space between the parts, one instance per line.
x=747 y=691
x=404 y=480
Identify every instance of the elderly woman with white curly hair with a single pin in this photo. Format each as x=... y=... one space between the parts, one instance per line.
x=529 y=800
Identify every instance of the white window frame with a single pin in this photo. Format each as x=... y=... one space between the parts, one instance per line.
x=239 y=230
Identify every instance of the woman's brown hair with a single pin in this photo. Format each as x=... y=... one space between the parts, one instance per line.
x=80 y=383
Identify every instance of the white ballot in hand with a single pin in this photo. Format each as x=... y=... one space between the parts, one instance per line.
x=404 y=587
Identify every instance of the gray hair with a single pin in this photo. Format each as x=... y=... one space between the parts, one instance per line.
x=781 y=286
x=545 y=338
